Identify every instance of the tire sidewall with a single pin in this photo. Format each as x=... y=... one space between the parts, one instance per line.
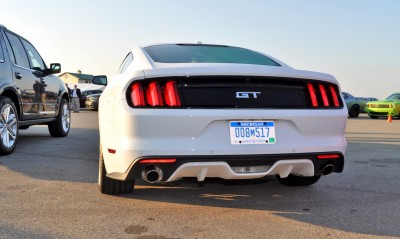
x=61 y=115
x=4 y=101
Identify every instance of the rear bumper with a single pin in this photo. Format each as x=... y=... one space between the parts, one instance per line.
x=223 y=166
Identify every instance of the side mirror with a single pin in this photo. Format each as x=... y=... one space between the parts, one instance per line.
x=55 y=68
x=100 y=80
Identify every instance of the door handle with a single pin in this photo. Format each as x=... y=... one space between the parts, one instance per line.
x=18 y=75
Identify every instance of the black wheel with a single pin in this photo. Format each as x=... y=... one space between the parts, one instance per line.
x=373 y=117
x=8 y=126
x=111 y=186
x=354 y=111
x=293 y=180
x=60 y=127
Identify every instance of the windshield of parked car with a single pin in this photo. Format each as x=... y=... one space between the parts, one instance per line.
x=199 y=53
x=394 y=97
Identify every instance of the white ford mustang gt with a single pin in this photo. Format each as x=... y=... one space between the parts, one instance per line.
x=199 y=110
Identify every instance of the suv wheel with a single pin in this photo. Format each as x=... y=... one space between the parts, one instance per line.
x=293 y=180
x=60 y=127
x=8 y=126
x=111 y=186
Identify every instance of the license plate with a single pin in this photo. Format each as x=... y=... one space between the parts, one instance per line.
x=252 y=132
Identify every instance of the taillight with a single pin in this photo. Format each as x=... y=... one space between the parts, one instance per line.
x=155 y=94
x=334 y=96
x=171 y=94
x=313 y=96
x=137 y=95
x=323 y=95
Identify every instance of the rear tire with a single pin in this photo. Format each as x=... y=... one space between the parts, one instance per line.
x=8 y=126
x=60 y=127
x=111 y=186
x=354 y=111
x=293 y=180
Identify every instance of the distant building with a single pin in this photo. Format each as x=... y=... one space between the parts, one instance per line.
x=75 y=78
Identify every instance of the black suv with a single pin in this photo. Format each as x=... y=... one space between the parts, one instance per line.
x=29 y=93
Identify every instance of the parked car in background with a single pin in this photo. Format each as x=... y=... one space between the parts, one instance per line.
x=92 y=101
x=368 y=99
x=354 y=105
x=201 y=110
x=29 y=92
x=84 y=95
x=384 y=108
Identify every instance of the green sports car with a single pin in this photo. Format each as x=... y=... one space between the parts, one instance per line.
x=384 y=108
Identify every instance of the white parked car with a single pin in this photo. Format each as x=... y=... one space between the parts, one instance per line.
x=199 y=110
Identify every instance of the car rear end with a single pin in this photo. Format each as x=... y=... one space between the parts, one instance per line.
x=230 y=121
x=232 y=127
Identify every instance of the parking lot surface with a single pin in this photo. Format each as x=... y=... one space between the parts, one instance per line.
x=48 y=189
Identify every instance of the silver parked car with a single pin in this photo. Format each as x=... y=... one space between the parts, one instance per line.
x=200 y=110
x=354 y=105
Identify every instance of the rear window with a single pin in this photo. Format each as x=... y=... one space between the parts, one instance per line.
x=198 y=53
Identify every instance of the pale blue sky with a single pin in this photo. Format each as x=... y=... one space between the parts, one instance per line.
x=356 y=41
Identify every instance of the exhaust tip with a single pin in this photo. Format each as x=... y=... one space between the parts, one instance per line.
x=327 y=169
x=152 y=174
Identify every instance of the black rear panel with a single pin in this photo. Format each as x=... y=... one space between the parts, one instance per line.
x=251 y=92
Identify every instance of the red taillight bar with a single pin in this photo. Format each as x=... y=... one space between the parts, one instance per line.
x=324 y=96
x=334 y=96
x=328 y=156
x=153 y=94
x=171 y=94
x=157 y=161
x=137 y=95
x=313 y=96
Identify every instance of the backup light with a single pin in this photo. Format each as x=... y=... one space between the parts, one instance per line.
x=251 y=169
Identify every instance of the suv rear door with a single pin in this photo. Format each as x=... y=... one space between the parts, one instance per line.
x=46 y=84
x=36 y=93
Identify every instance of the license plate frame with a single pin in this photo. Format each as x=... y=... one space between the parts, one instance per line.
x=252 y=132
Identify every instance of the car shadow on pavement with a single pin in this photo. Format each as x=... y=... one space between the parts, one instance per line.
x=73 y=158
x=364 y=192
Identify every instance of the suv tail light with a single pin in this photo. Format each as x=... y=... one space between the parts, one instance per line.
x=323 y=95
x=155 y=94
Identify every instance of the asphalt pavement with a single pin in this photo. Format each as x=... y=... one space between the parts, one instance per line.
x=48 y=189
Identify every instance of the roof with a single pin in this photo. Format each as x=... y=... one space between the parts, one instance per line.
x=80 y=76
